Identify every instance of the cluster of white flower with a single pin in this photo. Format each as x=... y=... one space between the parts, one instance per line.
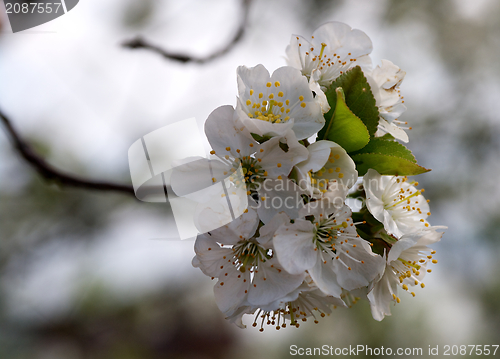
x=296 y=143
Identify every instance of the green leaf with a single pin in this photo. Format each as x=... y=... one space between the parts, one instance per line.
x=387 y=158
x=380 y=246
x=384 y=147
x=358 y=97
x=387 y=137
x=386 y=164
x=345 y=128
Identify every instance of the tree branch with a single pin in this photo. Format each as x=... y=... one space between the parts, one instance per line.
x=51 y=173
x=140 y=43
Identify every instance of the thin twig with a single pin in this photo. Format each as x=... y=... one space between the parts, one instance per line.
x=140 y=43
x=53 y=174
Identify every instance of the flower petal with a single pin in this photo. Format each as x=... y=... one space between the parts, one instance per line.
x=294 y=246
x=268 y=230
x=242 y=227
x=325 y=279
x=226 y=135
x=319 y=152
x=359 y=266
x=231 y=290
x=209 y=255
x=381 y=296
x=271 y=283
x=342 y=39
x=339 y=168
x=279 y=196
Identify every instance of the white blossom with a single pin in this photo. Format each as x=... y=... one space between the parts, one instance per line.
x=278 y=237
x=304 y=302
x=327 y=162
x=246 y=268
x=272 y=105
x=406 y=266
x=333 y=49
x=384 y=82
x=328 y=248
x=395 y=202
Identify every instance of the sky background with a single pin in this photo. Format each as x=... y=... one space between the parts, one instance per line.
x=80 y=276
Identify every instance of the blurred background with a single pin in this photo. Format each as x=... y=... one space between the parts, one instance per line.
x=81 y=275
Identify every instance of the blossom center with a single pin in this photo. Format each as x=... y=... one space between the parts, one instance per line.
x=327 y=233
x=271 y=105
x=248 y=254
x=408 y=269
x=333 y=240
x=404 y=202
x=252 y=170
x=253 y=173
x=330 y=65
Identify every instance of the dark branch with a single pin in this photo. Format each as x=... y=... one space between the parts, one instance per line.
x=140 y=43
x=53 y=174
